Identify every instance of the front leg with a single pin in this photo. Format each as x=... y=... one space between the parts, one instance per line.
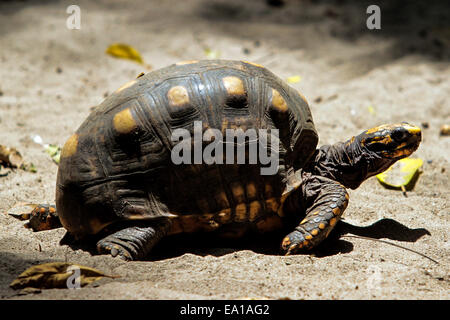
x=324 y=200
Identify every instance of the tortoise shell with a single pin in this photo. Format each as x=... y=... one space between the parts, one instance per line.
x=118 y=166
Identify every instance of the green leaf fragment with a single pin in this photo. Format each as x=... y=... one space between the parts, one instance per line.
x=54 y=151
x=401 y=173
x=124 y=51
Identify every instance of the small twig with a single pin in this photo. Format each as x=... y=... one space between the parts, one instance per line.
x=392 y=244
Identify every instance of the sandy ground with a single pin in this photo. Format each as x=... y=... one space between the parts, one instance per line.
x=51 y=76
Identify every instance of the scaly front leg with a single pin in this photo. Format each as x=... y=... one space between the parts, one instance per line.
x=325 y=200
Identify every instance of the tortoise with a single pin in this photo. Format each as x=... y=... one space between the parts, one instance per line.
x=117 y=177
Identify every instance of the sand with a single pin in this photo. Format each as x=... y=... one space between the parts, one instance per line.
x=353 y=78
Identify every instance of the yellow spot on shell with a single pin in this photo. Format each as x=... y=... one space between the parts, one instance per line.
x=181 y=63
x=278 y=101
x=336 y=211
x=255 y=210
x=178 y=96
x=272 y=204
x=241 y=211
x=238 y=192
x=251 y=190
x=315 y=232
x=126 y=85
x=124 y=122
x=308 y=237
x=233 y=85
x=322 y=226
x=268 y=190
x=304 y=221
x=333 y=221
x=70 y=147
x=253 y=64
x=303 y=97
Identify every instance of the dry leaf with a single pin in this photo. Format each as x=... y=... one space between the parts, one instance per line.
x=10 y=157
x=54 y=151
x=124 y=51
x=56 y=275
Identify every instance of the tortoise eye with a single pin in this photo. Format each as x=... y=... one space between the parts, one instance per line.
x=399 y=134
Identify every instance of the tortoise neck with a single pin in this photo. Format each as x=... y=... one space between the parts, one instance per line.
x=345 y=162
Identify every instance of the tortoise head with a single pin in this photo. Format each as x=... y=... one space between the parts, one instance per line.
x=392 y=141
x=388 y=143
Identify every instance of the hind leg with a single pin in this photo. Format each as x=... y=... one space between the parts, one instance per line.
x=134 y=242
x=324 y=201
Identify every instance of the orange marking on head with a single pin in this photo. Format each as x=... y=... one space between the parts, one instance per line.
x=278 y=101
x=178 y=96
x=70 y=147
x=373 y=130
x=124 y=122
x=233 y=85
